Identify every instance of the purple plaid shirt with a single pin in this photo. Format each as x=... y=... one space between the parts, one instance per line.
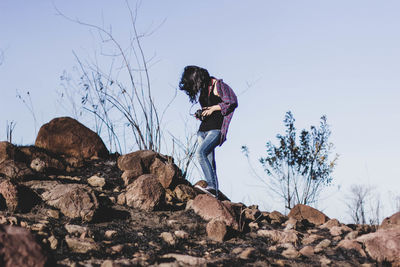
x=228 y=105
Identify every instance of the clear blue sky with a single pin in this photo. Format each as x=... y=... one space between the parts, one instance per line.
x=338 y=58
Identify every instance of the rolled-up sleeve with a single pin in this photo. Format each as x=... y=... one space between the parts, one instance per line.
x=229 y=99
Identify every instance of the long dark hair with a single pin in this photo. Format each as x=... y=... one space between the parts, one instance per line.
x=195 y=80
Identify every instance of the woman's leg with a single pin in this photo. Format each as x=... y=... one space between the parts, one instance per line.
x=207 y=141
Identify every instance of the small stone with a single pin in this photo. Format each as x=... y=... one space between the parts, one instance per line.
x=83 y=235
x=237 y=250
x=96 y=181
x=254 y=226
x=307 y=251
x=81 y=246
x=329 y=224
x=110 y=234
x=53 y=242
x=186 y=259
x=117 y=248
x=38 y=227
x=247 y=253
x=112 y=199
x=24 y=224
x=38 y=165
x=168 y=238
x=53 y=214
x=322 y=245
x=12 y=220
x=291 y=253
x=325 y=261
x=117 y=189
x=171 y=223
x=107 y=263
x=67 y=177
x=181 y=234
x=335 y=231
x=121 y=199
x=75 y=229
x=290 y=224
x=310 y=239
x=351 y=235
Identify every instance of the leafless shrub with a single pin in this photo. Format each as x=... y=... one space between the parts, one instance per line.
x=114 y=103
x=27 y=101
x=364 y=205
x=10 y=129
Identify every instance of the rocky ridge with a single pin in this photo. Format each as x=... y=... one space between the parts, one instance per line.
x=65 y=202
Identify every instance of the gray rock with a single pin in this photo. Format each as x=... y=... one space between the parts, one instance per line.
x=73 y=200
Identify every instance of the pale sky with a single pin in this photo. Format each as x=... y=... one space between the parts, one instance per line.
x=338 y=58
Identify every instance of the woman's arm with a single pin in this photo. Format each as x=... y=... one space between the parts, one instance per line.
x=209 y=110
x=228 y=97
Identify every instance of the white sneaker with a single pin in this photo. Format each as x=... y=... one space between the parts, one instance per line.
x=206 y=190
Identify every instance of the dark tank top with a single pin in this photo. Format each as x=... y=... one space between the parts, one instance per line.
x=214 y=121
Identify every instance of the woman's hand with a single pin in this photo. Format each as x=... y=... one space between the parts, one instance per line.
x=209 y=110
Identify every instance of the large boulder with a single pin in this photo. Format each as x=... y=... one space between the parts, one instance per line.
x=383 y=245
x=210 y=208
x=166 y=172
x=142 y=162
x=138 y=160
x=19 y=248
x=300 y=212
x=145 y=193
x=73 y=200
x=67 y=136
x=391 y=222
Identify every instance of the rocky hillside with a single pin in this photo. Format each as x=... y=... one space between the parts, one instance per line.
x=67 y=202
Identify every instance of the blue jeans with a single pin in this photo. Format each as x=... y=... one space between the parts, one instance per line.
x=207 y=142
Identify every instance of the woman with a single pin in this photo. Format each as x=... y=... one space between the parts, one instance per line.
x=218 y=102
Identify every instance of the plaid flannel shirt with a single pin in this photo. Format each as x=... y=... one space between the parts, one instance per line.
x=228 y=105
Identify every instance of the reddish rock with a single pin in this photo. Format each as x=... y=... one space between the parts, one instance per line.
x=145 y=193
x=67 y=136
x=277 y=217
x=184 y=192
x=15 y=170
x=216 y=230
x=300 y=212
x=201 y=183
x=210 y=208
x=307 y=251
x=166 y=172
x=391 y=222
x=383 y=245
x=329 y=224
x=252 y=213
x=19 y=248
x=131 y=175
x=73 y=200
x=138 y=160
